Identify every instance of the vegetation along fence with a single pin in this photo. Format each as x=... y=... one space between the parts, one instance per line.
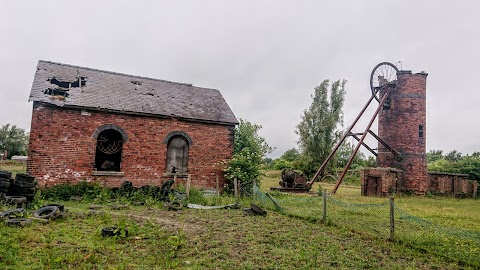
x=382 y=220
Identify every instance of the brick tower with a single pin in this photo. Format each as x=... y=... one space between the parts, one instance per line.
x=402 y=125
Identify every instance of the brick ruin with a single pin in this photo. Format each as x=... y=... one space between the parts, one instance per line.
x=402 y=125
x=108 y=127
x=63 y=148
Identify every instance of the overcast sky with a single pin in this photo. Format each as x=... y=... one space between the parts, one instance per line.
x=264 y=56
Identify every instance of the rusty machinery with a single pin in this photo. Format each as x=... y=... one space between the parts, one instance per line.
x=382 y=83
x=293 y=181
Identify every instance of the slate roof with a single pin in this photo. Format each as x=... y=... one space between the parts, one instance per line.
x=104 y=90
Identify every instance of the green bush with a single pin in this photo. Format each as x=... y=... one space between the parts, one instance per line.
x=63 y=192
x=280 y=164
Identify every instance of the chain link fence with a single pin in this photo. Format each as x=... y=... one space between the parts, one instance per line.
x=382 y=220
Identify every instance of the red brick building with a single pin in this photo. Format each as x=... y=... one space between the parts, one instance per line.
x=109 y=127
x=402 y=124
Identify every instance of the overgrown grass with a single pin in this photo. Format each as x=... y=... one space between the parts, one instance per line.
x=226 y=239
x=198 y=239
x=444 y=226
x=14 y=167
x=75 y=242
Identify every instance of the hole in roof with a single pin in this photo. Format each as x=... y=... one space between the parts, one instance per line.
x=136 y=83
x=56 y=92
x=78 y=82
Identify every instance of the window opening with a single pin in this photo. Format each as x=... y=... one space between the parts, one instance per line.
x=420 y=131
x=108 y=154
x=177 y=155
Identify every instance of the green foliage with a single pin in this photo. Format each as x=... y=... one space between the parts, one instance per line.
x=344 y=153
x=319 y=128
x=370 y=162
x=466 y=165
x=14 y=140
x=434 y=155
x=74 y=242
x=63 y=192
x=453 y=156
x=248 y=152
x=291 y=155
x=291 y=238
x=280 y=164
x=267 y=162
x=289 y=159
x=196 y=196
x=455 y=162
x=93 y=192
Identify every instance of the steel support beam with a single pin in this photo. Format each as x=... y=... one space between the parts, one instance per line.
x=364 y=144
x=384 y=144
x=350 y=160
x=349 y=130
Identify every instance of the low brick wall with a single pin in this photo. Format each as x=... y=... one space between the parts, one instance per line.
x=385 y=181
x=452 y=184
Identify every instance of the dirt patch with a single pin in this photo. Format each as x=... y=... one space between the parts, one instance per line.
x=171 y=221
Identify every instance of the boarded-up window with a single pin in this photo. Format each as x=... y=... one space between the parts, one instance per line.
x=177 y=155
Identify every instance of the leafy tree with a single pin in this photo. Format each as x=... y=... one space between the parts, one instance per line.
x=280 y=164
x=453 y=156
x=249 y=149
x=291 y=155
x=344 y=153
x=370 y=162
x=455 y=162
x=14 y=140
x=434 y=155
x=319 y=128
x=267 y=162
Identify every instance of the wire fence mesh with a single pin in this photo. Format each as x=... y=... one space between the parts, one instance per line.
x=375 y=221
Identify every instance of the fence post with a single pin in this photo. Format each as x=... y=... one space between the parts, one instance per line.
x=218 y=188
x=392 y=219
x=279 y=208
x=235 y=187
x=189 y=179
x=324 y=206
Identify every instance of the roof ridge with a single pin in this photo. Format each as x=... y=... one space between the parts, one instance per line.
x=117 y=73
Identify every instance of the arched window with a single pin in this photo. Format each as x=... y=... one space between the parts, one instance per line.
x=177 y=154
x=108 y=154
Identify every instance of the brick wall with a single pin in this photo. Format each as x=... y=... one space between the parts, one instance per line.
x=398 y=126
x=387 y=181
x=62 y=149
x=457 y=185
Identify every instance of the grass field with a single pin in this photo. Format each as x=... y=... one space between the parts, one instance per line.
x=229 y=239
